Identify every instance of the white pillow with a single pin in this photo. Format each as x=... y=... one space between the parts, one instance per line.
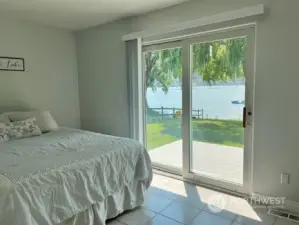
x=4 y=118
x=44 y=119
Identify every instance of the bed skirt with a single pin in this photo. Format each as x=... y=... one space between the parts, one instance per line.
x=128 y=197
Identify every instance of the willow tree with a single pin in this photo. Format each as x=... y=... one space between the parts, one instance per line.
x=220 y=60
x=162 y=68
x=214 y=61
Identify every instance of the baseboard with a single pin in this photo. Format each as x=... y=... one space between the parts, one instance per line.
x=290 y=206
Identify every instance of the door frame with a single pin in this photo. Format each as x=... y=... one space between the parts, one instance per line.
x=249 y=31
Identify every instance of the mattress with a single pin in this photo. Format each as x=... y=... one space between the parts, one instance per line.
x=47 y=179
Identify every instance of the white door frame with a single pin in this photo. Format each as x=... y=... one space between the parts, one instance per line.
x=249 y=32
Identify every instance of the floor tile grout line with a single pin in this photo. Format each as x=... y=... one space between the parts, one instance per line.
x=196 y=215
x=158 y=212
x=200 y=210
x=166 y=207
x=154 y=216
x=171 y=218
x=150 y=219
x=162 y=195
x=150 y=210
x=178 y=200
x=218 y=215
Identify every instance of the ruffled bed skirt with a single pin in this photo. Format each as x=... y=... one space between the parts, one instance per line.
x=128 y=197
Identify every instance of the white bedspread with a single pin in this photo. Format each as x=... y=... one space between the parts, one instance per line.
x=45 y=180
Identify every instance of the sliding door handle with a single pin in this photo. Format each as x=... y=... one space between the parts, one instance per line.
x=245 y=114
x=244 y=117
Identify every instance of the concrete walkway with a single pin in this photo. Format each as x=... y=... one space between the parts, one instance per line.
x=219 y=162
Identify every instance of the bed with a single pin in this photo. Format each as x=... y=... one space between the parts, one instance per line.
x=71 y=177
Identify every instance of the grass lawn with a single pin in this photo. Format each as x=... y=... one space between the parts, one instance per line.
x=224 y=132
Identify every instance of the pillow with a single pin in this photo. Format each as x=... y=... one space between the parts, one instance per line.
x=4 y=129
x=4 y=118
x=24 y=128
x=44 y=119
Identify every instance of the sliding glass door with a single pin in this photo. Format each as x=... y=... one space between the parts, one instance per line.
x=199 y=102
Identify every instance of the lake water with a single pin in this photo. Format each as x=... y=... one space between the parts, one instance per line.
x=216 y=101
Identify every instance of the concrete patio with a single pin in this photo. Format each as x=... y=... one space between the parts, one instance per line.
x=219 y=162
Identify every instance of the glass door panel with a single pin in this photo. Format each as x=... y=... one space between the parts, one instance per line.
x=218 y=99
x=163 y=76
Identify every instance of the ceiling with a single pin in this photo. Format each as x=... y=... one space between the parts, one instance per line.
x=78 y=14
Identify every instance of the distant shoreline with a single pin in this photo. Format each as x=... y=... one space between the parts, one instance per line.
x=212 y=85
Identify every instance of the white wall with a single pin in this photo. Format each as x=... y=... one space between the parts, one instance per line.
x=51 y=79
x=276 y=92
x=102 y=79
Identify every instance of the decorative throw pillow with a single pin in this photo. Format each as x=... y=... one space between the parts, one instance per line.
x=24 y=128
x=4 y=118
x=43 y=118
x=4 y=129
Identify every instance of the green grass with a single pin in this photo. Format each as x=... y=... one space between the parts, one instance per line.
x=224 y=132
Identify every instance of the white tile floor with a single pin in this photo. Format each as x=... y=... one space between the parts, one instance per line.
x=173 y=202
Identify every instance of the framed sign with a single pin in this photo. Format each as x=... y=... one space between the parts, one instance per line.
x=12 y=64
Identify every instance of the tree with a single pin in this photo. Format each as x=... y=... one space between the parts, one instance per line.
x=162 y=68
x=215 y=61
